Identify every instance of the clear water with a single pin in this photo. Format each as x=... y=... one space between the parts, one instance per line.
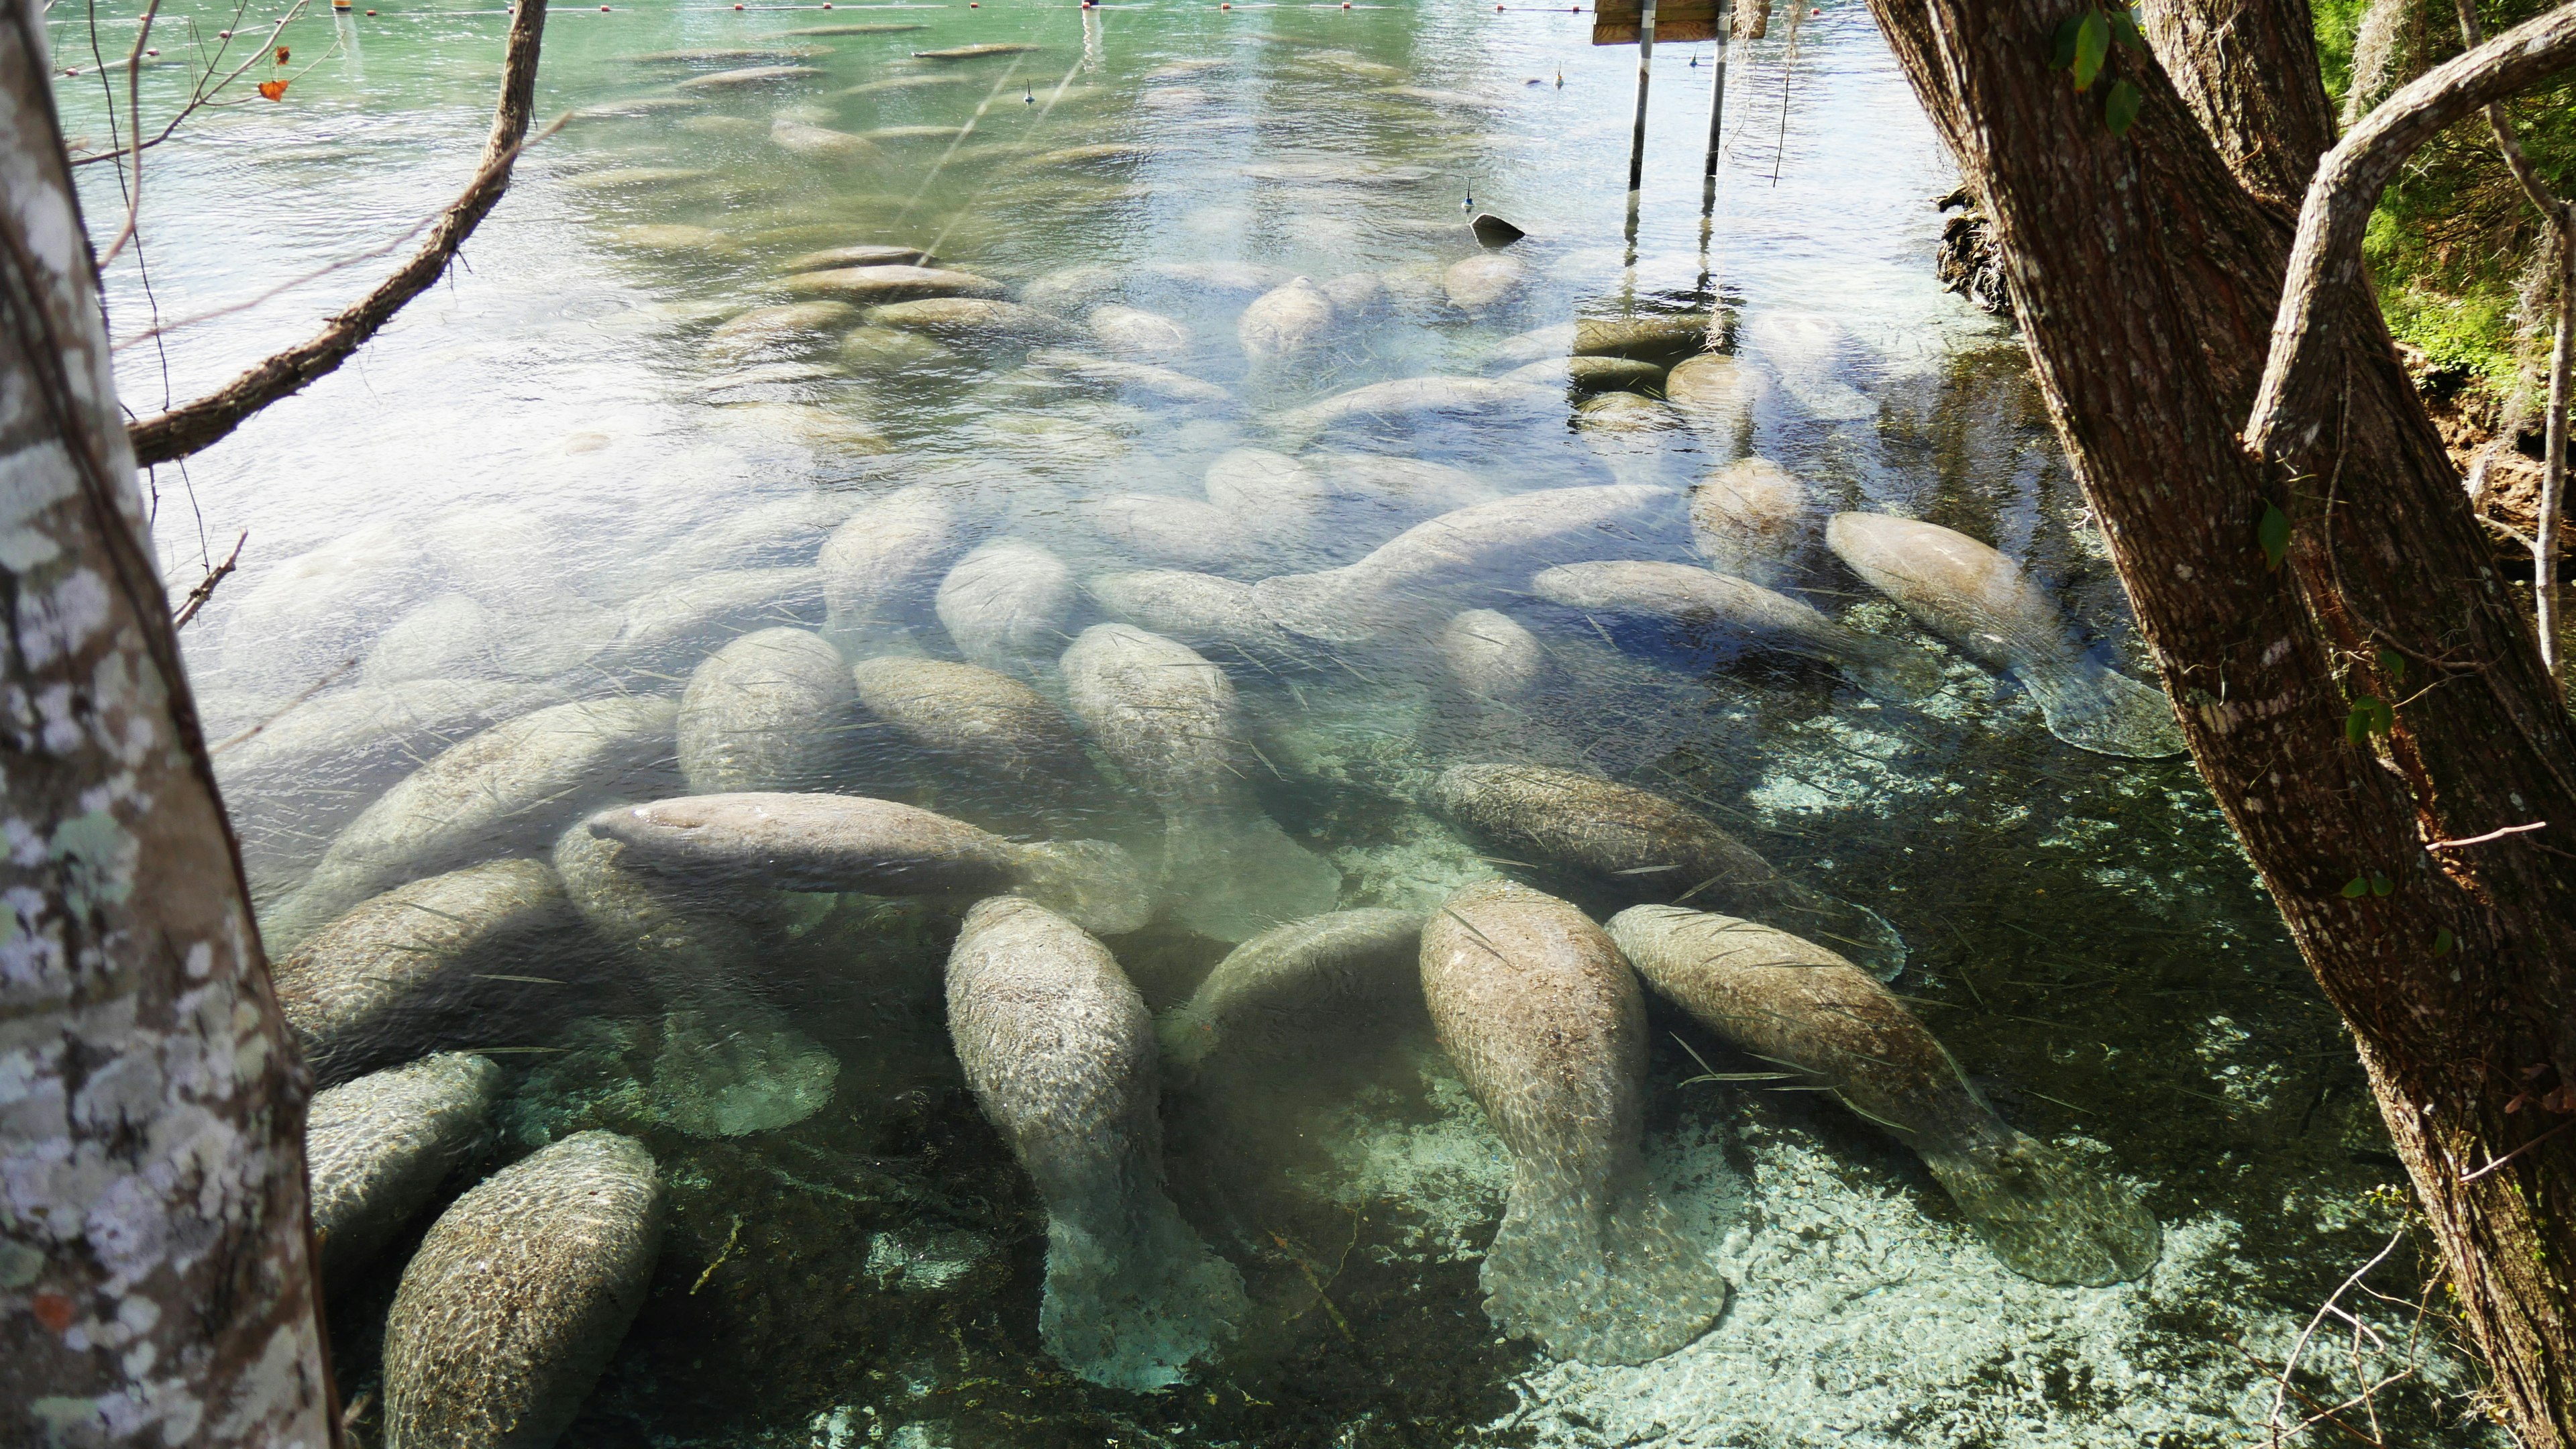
x=558 y=431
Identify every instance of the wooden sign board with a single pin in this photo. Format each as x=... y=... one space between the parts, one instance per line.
x=1614 y=22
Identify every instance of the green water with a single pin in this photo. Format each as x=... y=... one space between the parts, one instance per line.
x=559 y=429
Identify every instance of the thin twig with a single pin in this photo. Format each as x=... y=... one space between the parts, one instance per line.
x=205 y=588
x=2517 y=1152
x=134 y=128
x=2497 y=834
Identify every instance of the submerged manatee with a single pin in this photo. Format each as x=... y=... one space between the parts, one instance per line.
x=1138 y=379
x=398 y=974
x=1305 y=984
x=1978 y=600
x=517 y=1298
x=1402 y=581
x=851 y=843
x=1718 y=396
x=882 y=562
x=1060 y=1052
x=1416 y=399
x=1487 y=657
x=769 y=711
x=1168 y=718
x=1135 y=332
x=681 y=617
x=1200 y=610
x=1546 y=1023
x=1006 y=605
x=1787 y=1000
x=504 y=789
x=377 y=1149
x=1723 y=611
x=883 y=282
x=1747 y=519
x=1277 y=498
x=1180 y=533
x=1480 y=284
x=976 y=322
x=1288 y=321
x=976 y=717
x=1649 y=847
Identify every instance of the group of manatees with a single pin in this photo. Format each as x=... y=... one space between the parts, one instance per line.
x=677 y=831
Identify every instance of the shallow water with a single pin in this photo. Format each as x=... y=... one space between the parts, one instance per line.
x=558 y=477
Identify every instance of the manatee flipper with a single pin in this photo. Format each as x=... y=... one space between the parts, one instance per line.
x=1092 y=883
x=2102 y=710
x=2046 y=1218
x=1131 y=1302
x=1231 y=873
x=1621 y=1285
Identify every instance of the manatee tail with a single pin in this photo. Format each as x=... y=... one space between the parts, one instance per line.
x=1621 y=1285
x=1130 y=1308
x=1092 y=883
x=2097 y=709
x=2047 y=1219
x=1230 y=872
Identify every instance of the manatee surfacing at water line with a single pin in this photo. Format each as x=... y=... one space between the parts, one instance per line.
x=516 y=1300
x=1547 y=1025
x=1308 y=984
x=1639 y=845
x=851 y=843
x=377 y=1149
x=1720 y=611
x=1060 y=1053
x=1168 y=719
x=1983 y=603
x=1783 y=999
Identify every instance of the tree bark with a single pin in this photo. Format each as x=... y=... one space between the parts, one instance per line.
x=2272 y=135
x=155 y=1277
x=2146 y=270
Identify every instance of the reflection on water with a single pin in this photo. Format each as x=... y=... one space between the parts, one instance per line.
x=850 y=657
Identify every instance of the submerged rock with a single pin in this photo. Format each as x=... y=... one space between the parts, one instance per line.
x=377 y=1149
x=518 y=1297
x=1060 y=1052
x=1546 y=1022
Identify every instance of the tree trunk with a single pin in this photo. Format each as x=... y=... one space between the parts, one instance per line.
x=155 y=1277
x=2146 y=269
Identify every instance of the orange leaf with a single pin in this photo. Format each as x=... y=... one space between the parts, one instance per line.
x=281 y=55
x=273 y=90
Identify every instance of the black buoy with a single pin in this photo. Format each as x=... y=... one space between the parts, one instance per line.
x=1493 y=231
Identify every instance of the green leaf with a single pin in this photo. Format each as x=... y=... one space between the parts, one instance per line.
x=2392 y=664
x=2062 y=50
x=2120 y=108
x=2274 y=534
x=2357 y=887
x=2443 y=941
x=2124 y=29
x=2092 y=47
x=2370 y=716
x=2381 y=885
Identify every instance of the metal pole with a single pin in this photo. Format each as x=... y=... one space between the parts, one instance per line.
x=1717 y=105
x=1645 y=71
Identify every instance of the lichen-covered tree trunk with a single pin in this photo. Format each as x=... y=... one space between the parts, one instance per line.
x=155 y=1277
x=2145 y=269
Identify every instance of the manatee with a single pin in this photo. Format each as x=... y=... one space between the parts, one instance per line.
x=976 y=52
x=1358 y=297
x=1659 y=339
x=822 y=143
x=1747 y=519
x=377 y=1149
x=1095 y=153
x=1236 y=278
x=1069 y=287
x=976 y=322
x=867 y=285
x=1805 y=348
x=1007 y=605
x=680 y=617
x=1589 y=374
x=753 y=75
x=861 y=255
x=1168 y=719
x=1645 y=847
x=500 y=790
x=1060 y=1052
x=1488 y=657
x=1203 y=611
x=1536 y=345
x=1414 y=399
x=883 y=562
x=399 y=974
x=1718 y=396
x=516 y=1300
x=1723 y=611
x=1480 y=284
x=1294 y=988
x=1276 y=497
x=1547 y=1025
x=769 y=711
x=768 y=331
x=975 y=717
x=717 y=54
x=839 y=843
x=1162 y=384
x=1786 y=1000
x=890 y=350
x=913 y=133
x=1404 y=487
x=1981 y=602
x=302 y=613
x=738 y=536
x=1175 y=532
x=341 y=726
x=1135 y=332
x=1402 y=581
x=1287 y=321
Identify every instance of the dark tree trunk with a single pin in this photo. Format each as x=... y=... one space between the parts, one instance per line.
x=2145 y=270
x=155 y=1277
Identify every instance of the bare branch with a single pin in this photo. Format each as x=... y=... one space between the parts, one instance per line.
x=192 y=426
x=2326 y=261
x=205 y=588
x=2553 y=470
x=134 y=103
